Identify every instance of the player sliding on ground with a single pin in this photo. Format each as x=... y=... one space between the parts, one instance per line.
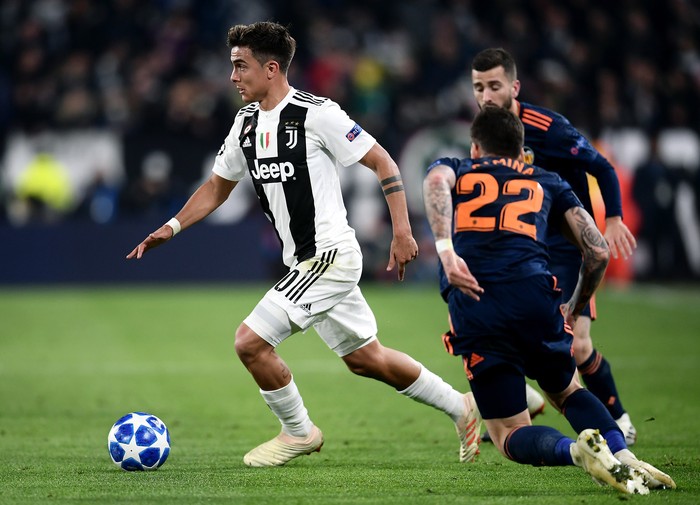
x=552 y=143
x=489 y=215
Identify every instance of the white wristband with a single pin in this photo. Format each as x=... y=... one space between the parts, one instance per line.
x=175 y=225
x=444 y=244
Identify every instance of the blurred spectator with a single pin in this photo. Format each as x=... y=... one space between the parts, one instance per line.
x=152 y=194
x=43 y=193
x=101 y=202
x=654 y=192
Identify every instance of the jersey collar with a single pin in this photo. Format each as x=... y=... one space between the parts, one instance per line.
x=283 y=103
x=519 y=107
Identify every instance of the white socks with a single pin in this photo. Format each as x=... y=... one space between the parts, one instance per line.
x=432 y=390
x=286 y=403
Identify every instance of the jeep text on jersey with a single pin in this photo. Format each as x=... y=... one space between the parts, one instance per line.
x=272 y=172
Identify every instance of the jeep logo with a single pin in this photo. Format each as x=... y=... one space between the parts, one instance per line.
x=272 y=172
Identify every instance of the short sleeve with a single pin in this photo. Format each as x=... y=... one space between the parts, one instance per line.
x=343 y=137
x=564 y=198
x=230 y=162
x=453 y=163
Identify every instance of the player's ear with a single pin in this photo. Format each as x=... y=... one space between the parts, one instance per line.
x=516 y=89
x=272 y=67
x=475 y=150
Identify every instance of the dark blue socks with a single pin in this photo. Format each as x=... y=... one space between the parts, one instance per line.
x=538 y=446
x=583 y=410
x=598 y=378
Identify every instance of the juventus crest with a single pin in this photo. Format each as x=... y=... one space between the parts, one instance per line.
x=292 y=133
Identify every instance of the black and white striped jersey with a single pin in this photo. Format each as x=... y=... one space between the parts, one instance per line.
x=292 y=154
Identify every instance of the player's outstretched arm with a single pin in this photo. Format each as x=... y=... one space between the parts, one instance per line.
x=437 y=197
x=596 y=256
x=207 y=198
x=403 y=246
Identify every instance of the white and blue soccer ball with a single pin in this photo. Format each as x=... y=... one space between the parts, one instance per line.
x=139 y=441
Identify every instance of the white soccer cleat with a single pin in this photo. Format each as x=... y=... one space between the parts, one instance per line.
x=628 y=430
x=535 y=401
x=653 y=477
x=591 y=452
x=284 y=448
x=468 y=429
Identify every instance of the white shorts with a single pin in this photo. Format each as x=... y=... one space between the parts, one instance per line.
x=321 y=292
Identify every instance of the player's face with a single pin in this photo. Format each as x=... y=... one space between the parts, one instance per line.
x=493 y=87
x=250 y=78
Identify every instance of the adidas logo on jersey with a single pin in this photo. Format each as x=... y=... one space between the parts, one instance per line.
x=246 y=142
x=272 y=172
x=306 y=307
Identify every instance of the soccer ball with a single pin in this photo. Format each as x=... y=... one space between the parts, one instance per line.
x=139 y=441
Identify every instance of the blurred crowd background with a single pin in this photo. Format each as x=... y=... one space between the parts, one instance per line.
x=111 y=111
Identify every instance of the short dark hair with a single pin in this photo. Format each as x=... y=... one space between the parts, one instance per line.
x=498 y=131
x=266 y=40
x=495 y=57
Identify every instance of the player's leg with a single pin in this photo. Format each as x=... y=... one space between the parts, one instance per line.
x=535 y=401
x=535 y=406
x=590 y=451
x=545 y=343
x=597 y=375
x=554 y=369
x=299 y=300
x=500 y=396
x=256 y=340
x=594 y=368
x=499 y=391
x=349 y=328
x=413 y=380
x=600 y=435
x=260 y=358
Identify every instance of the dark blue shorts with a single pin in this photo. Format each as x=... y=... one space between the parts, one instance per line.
x=565 y=263
x=517 y=326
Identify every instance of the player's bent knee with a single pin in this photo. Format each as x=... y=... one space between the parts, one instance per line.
x=248 y=344
x=499 y=435
x=583 y=347
x=358 y=366
x=362 y=362
x=559 y=399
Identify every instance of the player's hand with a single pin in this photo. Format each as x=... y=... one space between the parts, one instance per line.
x=619 y=238
x=403 y=249
x=459 y=276
x=158 y=237
x=567 y=310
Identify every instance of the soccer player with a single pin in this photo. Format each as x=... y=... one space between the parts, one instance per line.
x=291 y=144
x=489 y=215
x=552 y=143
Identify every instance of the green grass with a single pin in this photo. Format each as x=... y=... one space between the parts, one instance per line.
x=73 y=360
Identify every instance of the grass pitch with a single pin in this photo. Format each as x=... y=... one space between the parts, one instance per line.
x=73 y=360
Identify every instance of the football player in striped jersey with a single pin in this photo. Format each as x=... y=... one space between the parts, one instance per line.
x=292 y=145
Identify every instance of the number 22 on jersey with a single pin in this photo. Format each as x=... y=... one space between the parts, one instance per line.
x=530 y=191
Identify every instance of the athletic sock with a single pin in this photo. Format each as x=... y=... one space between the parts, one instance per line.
x=538 y=446
x=432 y=390
x=615 y=439
x=286 y=403
x=583 y=410
x=599 y=380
